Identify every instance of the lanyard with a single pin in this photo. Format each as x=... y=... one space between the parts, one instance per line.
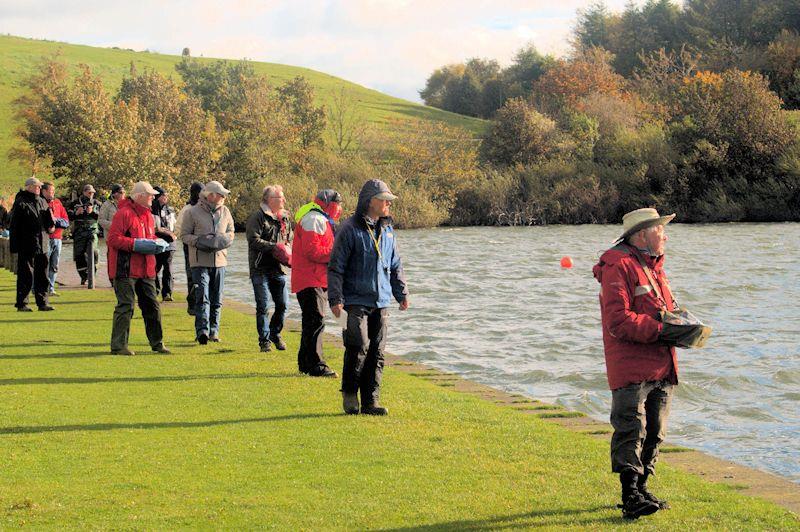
x=648 y=272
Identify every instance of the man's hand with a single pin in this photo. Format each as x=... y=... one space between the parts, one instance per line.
x=337 y=309
x=404 y=304
x=89 y=209
x=79 y=211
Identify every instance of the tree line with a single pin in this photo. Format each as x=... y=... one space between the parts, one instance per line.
x=221 y=120
x=669 y=117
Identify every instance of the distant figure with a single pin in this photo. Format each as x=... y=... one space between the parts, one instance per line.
x=207 y=228
x=5 y=217
x=132 y=246
x=31 y=223
x=268 y=234
x=641 y=369
x=194 y=196
x=311 y=251
x=84 y=213
x=364 y=273
x=61 y=221
x=165 y=219
x=109 y=208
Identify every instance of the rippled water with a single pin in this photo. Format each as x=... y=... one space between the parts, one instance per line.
x=493 y=305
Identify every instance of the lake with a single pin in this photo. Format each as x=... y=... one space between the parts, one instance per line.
x=494 y=305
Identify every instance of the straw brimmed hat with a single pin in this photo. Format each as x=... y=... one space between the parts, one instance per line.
x=642 y=219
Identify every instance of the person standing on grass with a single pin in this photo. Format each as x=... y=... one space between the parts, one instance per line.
x=31 y=223
x=84 y=213
x=642 y=370
x=268 y=235
x=194 y=196
x=364 y=273
x=132 y=246
x=165 y=219
x=61 y=222
x=207 y=228
x=311 y=251
x=109 y=207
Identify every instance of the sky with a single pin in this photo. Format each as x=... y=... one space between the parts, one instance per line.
x=388 y=45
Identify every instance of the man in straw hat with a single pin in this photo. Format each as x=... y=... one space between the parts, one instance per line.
x=641 y=369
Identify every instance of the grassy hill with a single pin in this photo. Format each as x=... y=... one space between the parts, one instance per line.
x=19 y=56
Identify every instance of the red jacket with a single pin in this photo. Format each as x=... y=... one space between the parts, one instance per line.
x=130 y=222
x=311 y=250
x=58 y=210
x=629 y=308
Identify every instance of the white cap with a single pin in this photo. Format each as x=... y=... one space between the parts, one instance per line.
x=143 y=187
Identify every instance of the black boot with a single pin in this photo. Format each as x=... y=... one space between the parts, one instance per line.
x=634 y=505
x=642 y=487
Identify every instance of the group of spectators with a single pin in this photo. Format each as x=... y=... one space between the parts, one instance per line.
x=353 y=268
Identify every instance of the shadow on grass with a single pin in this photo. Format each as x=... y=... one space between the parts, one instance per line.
x=164 y=425
x=55 y=319
x=47 y=341
x=87 y=354
x=532 y=519
x=168 y=378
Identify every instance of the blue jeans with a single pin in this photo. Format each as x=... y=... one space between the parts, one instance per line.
x=52 y=267
x=208 y=299
x=265 y=288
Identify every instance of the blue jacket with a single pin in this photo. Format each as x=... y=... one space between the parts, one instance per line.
x=357 y=274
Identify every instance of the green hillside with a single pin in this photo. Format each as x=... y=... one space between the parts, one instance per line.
x=19 y=56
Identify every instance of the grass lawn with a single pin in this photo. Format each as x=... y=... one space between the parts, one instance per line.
x=19 y=58
x=225 y=436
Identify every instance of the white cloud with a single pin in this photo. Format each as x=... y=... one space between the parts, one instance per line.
x=392 y=45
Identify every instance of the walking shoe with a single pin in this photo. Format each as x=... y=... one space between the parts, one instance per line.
x=161 y=349
x=265 y=347
x=51 y=294
x=202 y=339
x=636 y=506
x=280 y=345
x=350 y=403
x=45 y=308
x=322 y=371
x=374 y=410
x=123 y=351
x=213 y=338
x=642 y=486
x=167 y=298
x=24 y=308
x=190 y=311
x=83 y=282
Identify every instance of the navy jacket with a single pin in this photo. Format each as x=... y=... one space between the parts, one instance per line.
x=357 y=275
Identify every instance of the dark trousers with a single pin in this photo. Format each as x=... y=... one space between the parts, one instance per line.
x=364 y=342
x=313 y=303
x=32 y=273
x=83 y=241
x=639 y=415
x=128 y=291
x=191 y=287
x=164 y=262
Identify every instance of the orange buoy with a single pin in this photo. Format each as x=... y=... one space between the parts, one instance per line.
x=566 y=262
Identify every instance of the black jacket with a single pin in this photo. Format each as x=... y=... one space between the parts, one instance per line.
x=84 y=221
x=264 y=232
x=30 y=221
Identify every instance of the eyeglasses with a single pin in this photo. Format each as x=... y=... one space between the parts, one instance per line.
x=277 y=197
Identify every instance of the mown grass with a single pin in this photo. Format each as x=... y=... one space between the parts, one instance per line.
x=19 y=57
x=223 y=436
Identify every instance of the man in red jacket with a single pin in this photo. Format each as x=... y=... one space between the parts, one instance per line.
x=132 y=247
x=313 y=242
x=641 y=369
x=61 y=220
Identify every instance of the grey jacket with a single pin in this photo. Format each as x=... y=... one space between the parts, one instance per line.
x=209 y=233
x=107 y=212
